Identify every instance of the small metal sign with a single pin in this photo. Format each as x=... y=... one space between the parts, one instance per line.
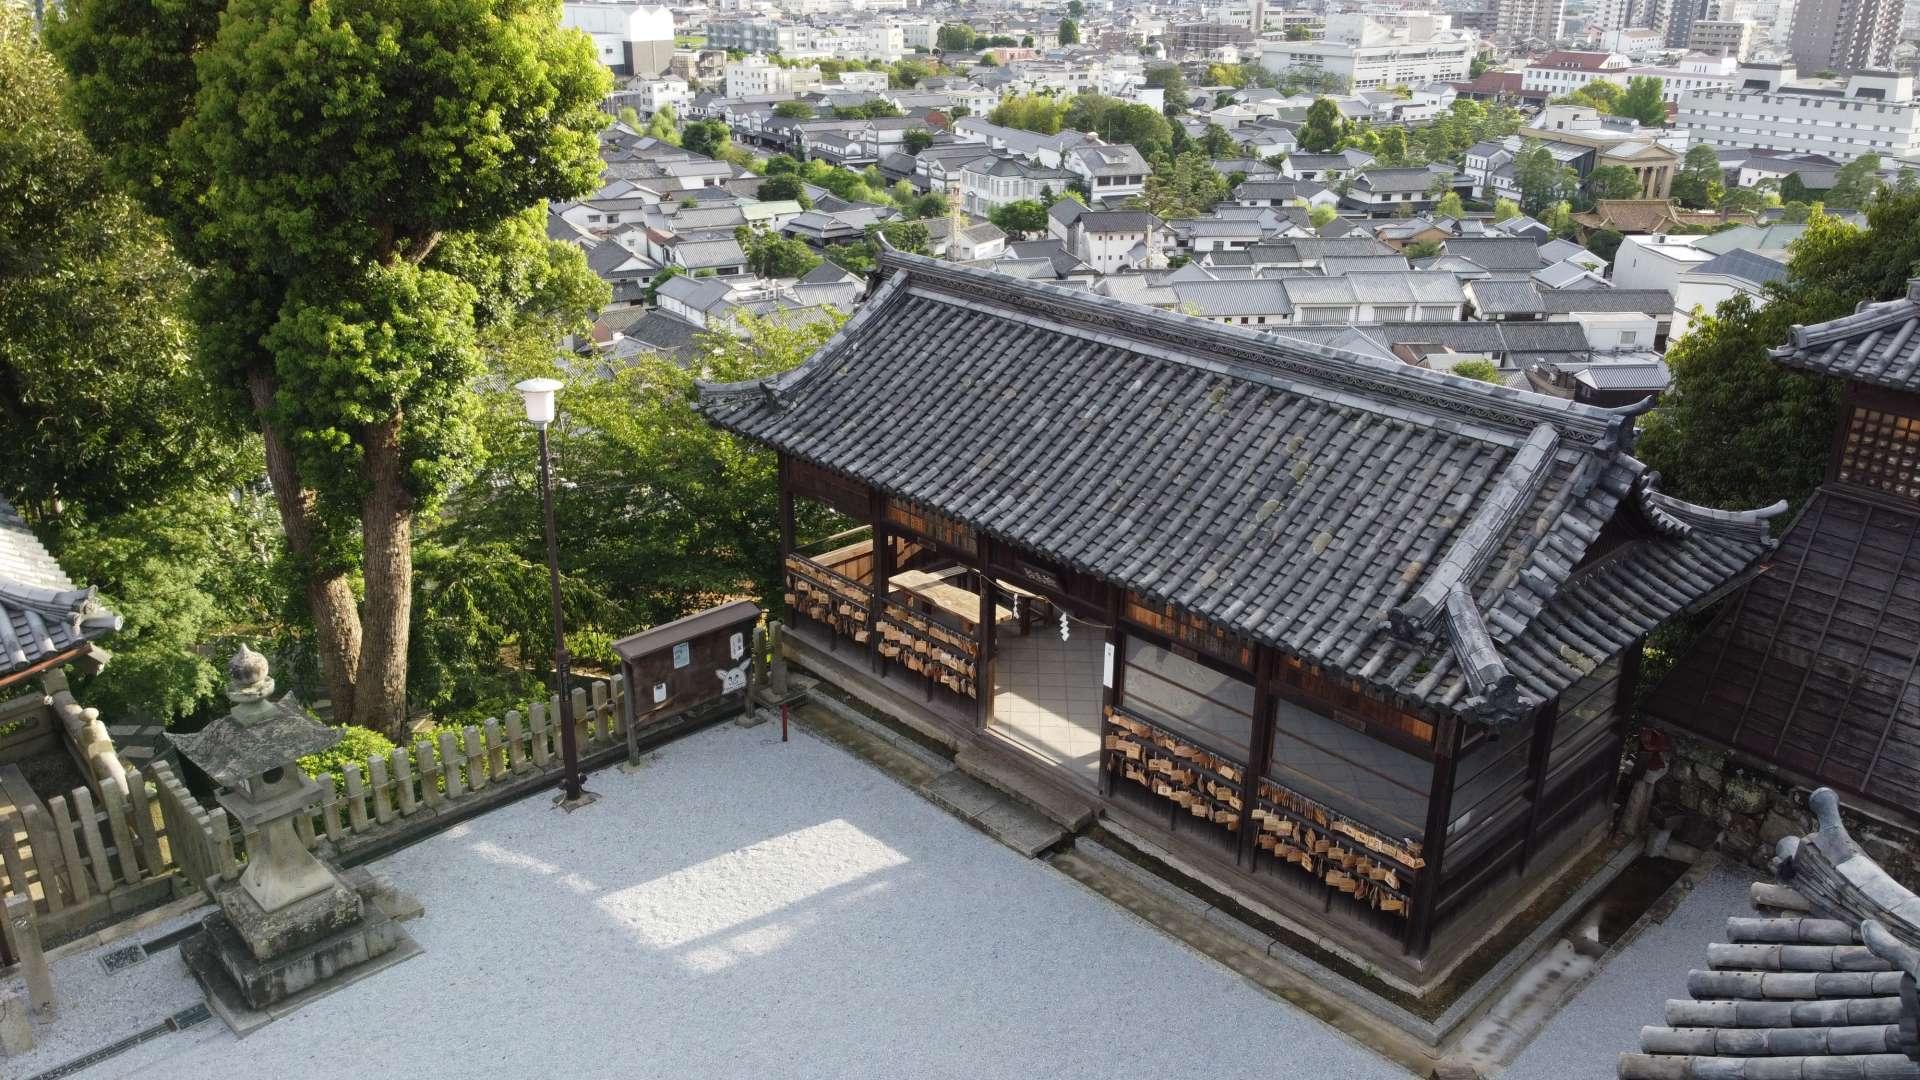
x=682 y=654
x=659 y=692
x=737 y=646
x=1106 y=670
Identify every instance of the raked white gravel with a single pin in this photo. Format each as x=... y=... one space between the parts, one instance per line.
x=744 y=908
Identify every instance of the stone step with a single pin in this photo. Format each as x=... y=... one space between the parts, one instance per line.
x=1008 y=771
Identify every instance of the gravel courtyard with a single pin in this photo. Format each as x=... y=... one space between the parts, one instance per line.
x=739 y=908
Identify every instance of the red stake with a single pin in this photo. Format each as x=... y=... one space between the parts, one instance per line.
x=783 y=722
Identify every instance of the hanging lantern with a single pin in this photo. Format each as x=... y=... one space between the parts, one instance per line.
x=1065 y=632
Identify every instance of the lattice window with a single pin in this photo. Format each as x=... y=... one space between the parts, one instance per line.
x=1881 y=450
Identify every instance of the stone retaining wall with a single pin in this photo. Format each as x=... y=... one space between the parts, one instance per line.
x=1750 y=809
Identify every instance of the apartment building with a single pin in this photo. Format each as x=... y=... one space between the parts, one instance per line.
x=1561 y=71
x=1770 y=108
x=1367 y=52
x=758 y=77
x=1845 y=35
x=1722 y=37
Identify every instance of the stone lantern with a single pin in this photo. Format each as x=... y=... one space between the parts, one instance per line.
x=290 y=924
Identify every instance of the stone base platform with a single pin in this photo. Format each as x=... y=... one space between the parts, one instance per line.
x=248 y=993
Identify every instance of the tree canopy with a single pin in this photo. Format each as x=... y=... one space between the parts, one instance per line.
x=1024 y=217
x=1644 y=100
x=1613 y=182
x=1069 y=32
x=1324 y=127
x=1699 y=183
x=359 y=186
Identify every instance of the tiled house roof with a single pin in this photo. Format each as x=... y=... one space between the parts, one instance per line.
x=1876 y=344
x=43 y=617
x=1812 y=989
x=1427 y=534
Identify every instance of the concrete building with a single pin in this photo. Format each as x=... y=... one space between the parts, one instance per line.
x=1367 y=52
x=1561 y=72
x=1722 y=37
x=1527 y=20
x=752 y=35
x=1770 y=108
x=630 y=39
x=1657 y=261
x=758 y=77
x=1844 y=35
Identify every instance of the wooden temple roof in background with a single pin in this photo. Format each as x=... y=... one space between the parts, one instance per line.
x=1813 y=665
x=1436 y=537
x=1813 y=988
x=1877 y=344
x=44 y=619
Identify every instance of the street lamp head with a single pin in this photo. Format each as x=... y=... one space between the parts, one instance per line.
x=538 y=395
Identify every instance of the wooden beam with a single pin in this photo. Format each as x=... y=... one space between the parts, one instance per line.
x=1433 y=848
x=1116 y=644
x=786 y=512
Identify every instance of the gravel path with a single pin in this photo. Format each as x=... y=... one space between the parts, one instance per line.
x=1604 y=1019
x=743 y=908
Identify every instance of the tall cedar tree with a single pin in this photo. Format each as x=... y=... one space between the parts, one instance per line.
x=352 y=179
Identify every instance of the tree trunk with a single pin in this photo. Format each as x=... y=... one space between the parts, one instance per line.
x=387 y=570
x=329 y=592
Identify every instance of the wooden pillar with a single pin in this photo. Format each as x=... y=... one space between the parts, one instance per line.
x=1545 y=719
x=983 y=633
x=1266 y=668
x=882 y=574
x=1433 y=848
x=1116 y=664
x=786 y=514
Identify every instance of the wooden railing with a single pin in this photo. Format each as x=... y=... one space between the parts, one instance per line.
x=830 y=598
x=1198 y=781
x=941 y=654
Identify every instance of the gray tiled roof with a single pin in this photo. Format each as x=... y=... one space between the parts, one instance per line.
x=1507 y=298
x=1743 y=264
x=1876 y=344
x=1810 y=988
x=1568 y=301
x=1321 y=502
x=1497 y=252
x=1255 y=296
x=42 y=614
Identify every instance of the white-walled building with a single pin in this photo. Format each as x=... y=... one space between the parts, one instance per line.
x=1770 y=108
x=1367 y=52
x=1656 y=261
x=1561 y=72
x=757 y=76
x=652 y=95
x=630 y=39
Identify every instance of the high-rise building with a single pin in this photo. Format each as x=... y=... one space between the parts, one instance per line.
x=631 y=39
x=1528 y=20
x=1844 y=35
x=1722 y=37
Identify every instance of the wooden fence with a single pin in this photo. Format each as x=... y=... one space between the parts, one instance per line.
x=83 y=861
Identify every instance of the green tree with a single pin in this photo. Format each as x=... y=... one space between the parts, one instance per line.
x=630 y=117
x=1504 y=209
x=1542 y=180
x=1026 y=217
x=97 y=374
x=709 y=138
x=1478 y=370
x=664 y=125
x=1421 y=249
x=794 y=110
x=1604 y=243
x=1855 y=182
x=1741 y=429
x=1613 y=182
x=1322 y=216
x=954 y=37
x=1598 y=94
x=787 y=186
x=1699 y=183
x=1188 y=186
x=1037 y=113
x=360 y=186
x=906 y=74
x=1216 y=143
x=1450 y=206
x=1170 y=78
x=1324 y=129
x=856 y=258
x=916 y=140
x=1075 y=8
x=931 y=205
x=1644 y=101
x=771 y=255
x=911 y=237
x=1069 y=32
x=1298 y=33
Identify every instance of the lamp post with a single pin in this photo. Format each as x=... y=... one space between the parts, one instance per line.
x=538 y=394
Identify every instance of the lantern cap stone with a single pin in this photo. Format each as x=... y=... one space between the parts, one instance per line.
x=259 y=734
